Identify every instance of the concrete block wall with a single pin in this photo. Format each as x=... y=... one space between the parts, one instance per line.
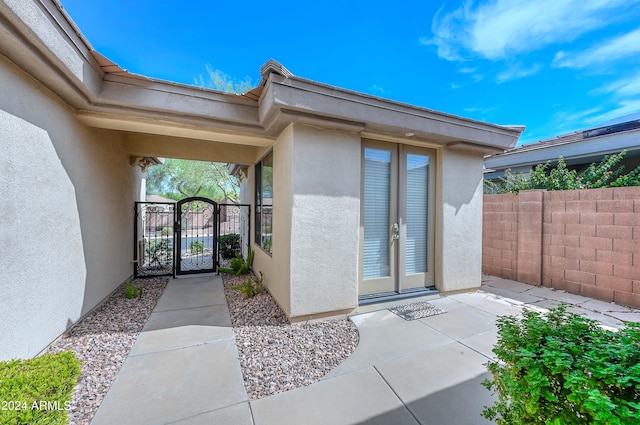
x=500 y=236
x=586 y=242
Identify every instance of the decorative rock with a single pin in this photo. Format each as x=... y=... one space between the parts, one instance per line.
x=102 y=340
x=294 y=355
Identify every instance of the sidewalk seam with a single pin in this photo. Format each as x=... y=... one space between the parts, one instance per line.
x=187 y=308
x=397 y=396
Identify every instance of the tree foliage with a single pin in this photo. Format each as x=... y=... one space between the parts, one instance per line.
x=218 y=80
x=607 y=173
x=179 y=178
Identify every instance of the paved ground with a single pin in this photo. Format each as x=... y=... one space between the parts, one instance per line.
x=183 y=368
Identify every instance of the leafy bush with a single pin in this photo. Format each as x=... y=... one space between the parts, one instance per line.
x=605 y=174
x=251 y=287
x=196 y=247
x=239 y=265
x=167 y=231
x=157 y=251
x=563 y=369
x=229 y=245
x=38 y=390
x=132 y=291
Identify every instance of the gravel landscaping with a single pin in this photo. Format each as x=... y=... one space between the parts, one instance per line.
x=277 y=356
x=102 y=340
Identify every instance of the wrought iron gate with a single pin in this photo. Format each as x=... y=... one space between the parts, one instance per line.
x=196 y=236
x=191 y=236
x=153 y=239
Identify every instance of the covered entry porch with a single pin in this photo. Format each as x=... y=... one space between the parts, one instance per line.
x=78 y=130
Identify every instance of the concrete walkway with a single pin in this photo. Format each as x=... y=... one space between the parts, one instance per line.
x=183 y=369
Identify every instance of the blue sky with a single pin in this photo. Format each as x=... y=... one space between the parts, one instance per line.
x=556 y=66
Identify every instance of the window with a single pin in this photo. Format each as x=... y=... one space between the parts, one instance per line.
x=264 y=202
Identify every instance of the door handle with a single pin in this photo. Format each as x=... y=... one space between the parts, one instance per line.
x=396 y=231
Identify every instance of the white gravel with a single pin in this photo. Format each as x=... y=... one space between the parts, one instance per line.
x=277 y=356
x=102 y=341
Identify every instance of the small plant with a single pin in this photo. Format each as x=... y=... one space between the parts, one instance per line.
x=159 y=228
x=251 y=286
x=196 y=247
x=167 y=231
x=239 y=265
x=561 y=369
x=229 y=245
x=132 y=291
x=38 y=390
x=157 y=251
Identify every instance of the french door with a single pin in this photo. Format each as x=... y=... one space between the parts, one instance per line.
x=396 y=251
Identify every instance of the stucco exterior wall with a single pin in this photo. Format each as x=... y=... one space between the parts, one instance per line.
x=325 y=219
x=276 y=267
x=459 y=223
x=67 y=195
x=316 y=211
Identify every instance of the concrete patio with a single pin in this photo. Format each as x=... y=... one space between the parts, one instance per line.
x=183 y=369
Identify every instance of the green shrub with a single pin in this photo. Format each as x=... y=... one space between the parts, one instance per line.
x=167 y=231
x=196 y=247
x=229 y=245
x=238 y=264
x=157 y=251
x=607 y=173
x=38 y=390
x=563 y=369
x=251 y=286
x=132 y=291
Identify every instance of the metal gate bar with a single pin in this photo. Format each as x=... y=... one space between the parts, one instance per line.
x=153 y=239
x=234 y=230
x=195 y=235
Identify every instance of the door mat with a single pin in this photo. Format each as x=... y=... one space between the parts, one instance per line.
x=415 y=311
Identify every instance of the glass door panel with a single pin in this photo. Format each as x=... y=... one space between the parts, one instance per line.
x=416 y=217
x=397 y=219
x=379 y=190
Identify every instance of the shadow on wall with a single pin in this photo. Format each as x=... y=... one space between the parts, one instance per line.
x=462 y=179
x=45 y=261
x=81 y=187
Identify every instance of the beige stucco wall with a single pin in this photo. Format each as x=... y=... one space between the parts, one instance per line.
x=276 y=267
x=314 y=265
x=325 y=219
x=459 y=220
x=67 y=195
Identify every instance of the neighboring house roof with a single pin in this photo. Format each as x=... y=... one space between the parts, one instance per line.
x=580 y=147
x=158 y=198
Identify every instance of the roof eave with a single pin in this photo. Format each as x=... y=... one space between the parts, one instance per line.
x=284 y=98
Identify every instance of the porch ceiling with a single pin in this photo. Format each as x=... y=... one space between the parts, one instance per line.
x=144 y=145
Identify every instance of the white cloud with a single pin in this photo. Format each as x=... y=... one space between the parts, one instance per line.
x=516 y=72
x=624 y=107
x=377 y=90
x=613 y=49
x=499 y=28
x=573 y=116
x=480 y=110
x=629 y=86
